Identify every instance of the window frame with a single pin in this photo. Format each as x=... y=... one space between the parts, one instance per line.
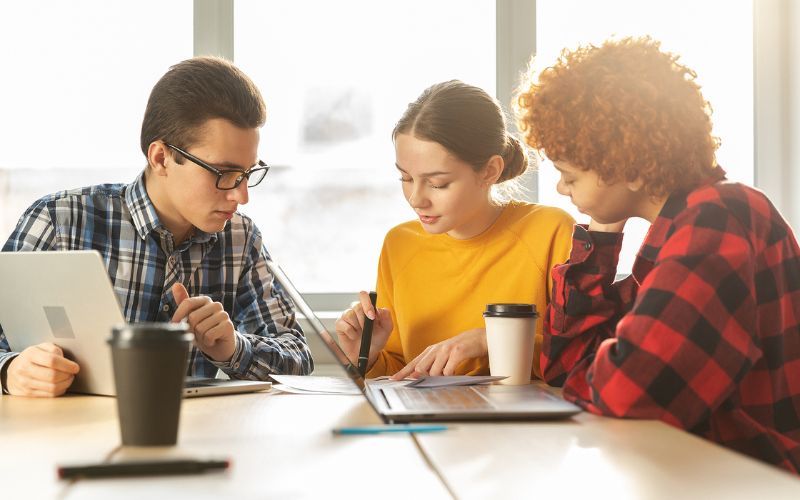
x=774 y=121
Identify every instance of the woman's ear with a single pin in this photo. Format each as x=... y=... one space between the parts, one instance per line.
x=157 y=157
x=493 y=170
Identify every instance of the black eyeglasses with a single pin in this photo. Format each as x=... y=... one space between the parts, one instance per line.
x=232 y=177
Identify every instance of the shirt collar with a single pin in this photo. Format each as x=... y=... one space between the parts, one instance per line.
x=662 y=227
x=141 y=207
x=145 y=218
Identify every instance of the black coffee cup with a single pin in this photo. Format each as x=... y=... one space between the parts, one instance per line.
x=149 y=369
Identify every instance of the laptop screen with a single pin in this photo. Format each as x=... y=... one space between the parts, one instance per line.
x=316 y=325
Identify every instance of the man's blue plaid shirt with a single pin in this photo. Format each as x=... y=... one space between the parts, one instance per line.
x=121 y=223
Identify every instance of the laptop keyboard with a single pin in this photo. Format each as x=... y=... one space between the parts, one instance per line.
x=441 y=398
x=198 y=382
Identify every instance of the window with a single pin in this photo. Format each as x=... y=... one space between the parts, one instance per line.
x=74 y=96
x=76 y=80
x=336 y=77
x=713 y=37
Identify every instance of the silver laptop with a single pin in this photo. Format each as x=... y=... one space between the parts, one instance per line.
x=407 y=404
x=67 y=298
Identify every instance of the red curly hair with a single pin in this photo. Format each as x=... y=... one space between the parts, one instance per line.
x=626 y=110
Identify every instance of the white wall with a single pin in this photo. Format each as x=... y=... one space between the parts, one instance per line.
x=777 y=104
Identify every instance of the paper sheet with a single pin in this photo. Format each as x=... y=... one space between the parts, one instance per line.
x=437 y=381
x=310 y=384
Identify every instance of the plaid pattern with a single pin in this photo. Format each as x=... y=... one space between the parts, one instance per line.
x=121 y=223
x=705 y=333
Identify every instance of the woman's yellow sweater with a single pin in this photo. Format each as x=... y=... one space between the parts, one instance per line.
x=437 y=287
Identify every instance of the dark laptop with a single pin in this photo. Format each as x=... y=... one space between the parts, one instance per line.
x=395 y=403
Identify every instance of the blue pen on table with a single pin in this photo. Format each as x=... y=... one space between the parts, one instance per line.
x=366 y=338
x=379 y=429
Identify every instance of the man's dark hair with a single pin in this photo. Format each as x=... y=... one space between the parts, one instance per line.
x=195 y=91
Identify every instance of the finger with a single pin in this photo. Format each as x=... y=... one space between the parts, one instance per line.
x=346 y=330
x=45 y=374
x=408 y=369
x=31 y=378
x=179 y=293
x=452 y=363
x=426 y=359
x=213 y=326
x=404 y=372
x=49 y=347
x=217 y=333
x=45 y=392
x=366 y=304
x=50 y=389
x=53 y=360
x=439 y=362
x=360 y=317
x=355 y=317
x=202 y=314
x=189 y=305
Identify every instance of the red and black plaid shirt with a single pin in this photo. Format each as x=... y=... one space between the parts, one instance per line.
x=704 y=334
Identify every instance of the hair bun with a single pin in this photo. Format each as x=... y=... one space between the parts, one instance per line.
x=515 y=158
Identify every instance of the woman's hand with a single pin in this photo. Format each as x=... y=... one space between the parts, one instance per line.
x=350 y=325
x=444 y=357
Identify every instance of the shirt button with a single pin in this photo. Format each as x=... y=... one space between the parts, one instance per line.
x=172 y=260
x=587 y=246
x=236 y=365
x=165 y=307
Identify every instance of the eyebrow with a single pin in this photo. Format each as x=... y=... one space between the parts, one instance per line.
x=425 y=175
x=230 y=165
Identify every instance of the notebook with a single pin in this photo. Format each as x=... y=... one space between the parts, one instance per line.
x=396 y=403
x=67 y=298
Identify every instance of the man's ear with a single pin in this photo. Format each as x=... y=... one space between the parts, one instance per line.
x=157 y=157
x=636 y=185
x=493 y=170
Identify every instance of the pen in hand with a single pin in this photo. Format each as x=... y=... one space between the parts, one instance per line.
x=366 y=338
x=141 y=468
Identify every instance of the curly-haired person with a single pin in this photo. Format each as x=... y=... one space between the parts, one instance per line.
x=705 y=333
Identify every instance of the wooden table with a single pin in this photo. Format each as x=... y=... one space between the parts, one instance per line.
x=281 y=446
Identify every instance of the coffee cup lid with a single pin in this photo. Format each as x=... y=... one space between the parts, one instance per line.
x=149 y=333
x=510 y=311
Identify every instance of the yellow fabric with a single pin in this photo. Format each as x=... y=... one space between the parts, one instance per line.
x=437 y=287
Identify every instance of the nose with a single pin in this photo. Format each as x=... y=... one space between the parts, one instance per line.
x=239 y=194
x=416 y=196
x=561 y=188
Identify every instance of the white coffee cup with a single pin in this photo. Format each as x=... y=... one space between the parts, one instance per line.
x=510 y=330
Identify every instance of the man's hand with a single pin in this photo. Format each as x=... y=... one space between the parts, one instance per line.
x=211 y=325
x=444 y=357
x=40 y=371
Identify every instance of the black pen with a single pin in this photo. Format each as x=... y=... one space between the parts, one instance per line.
x=141 y=468
x=366 y=338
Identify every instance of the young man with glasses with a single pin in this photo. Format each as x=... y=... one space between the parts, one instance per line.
x=175 y=245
